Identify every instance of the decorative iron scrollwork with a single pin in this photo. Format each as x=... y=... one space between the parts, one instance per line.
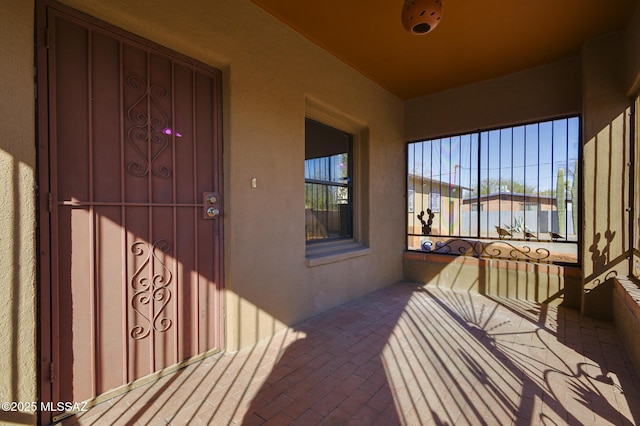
x=150 y=284
x=458 y=246
x=503 y=249
x=493 y=249
x=146 y=128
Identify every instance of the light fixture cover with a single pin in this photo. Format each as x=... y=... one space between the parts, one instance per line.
x=421 y=16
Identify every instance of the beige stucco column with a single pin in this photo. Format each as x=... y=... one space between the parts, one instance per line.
x=606 y=178
x=18 y=351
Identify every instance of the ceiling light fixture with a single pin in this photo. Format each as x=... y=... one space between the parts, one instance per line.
x=421 y=16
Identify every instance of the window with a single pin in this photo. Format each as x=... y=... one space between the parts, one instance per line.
x=434 y=202
x=507 y=192
x=411 y=200
x=328 y=183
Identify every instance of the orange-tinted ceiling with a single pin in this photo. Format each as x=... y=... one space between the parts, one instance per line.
x=475 y=40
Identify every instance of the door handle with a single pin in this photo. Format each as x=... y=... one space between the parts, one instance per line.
x=211 y=207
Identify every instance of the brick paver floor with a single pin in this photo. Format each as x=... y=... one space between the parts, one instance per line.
x=407 y=354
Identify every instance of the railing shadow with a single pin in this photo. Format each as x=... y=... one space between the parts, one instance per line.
x=542 y=354
x=444 y=358
x=407 y=354
x=335 y=373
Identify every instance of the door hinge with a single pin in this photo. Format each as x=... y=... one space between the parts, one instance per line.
x=52 y=372
x=49 y=202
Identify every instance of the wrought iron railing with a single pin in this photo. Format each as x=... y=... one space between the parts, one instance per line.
x=517 y=186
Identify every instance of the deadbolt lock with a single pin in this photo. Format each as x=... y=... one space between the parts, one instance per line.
x=211 y=205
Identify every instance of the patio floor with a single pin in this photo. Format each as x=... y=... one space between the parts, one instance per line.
x=406 y=354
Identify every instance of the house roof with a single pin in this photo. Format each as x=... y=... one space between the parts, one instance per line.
x=436 y=182
x=517 y=195
x=474 y=41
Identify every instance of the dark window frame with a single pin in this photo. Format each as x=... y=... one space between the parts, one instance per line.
x=332 y=185
x=476 y=244
x=634 y=184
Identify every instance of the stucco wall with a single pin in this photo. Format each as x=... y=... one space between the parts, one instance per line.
x=271 y=75
x=593 y=84
x=632 y=55
x=18 y=375
x=626 y=313
x=540 y=283
x=539 y=93
x=605 y=158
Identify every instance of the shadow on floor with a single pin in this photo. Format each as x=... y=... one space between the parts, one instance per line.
x=434 y=356
x=406 y=354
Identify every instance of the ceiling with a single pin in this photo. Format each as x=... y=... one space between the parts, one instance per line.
x=475 y=40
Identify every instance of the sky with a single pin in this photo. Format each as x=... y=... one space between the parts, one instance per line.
x=530 y=154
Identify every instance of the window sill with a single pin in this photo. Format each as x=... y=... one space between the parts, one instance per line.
x=629 y=292
x=559 y=253
x=335 y=251
x=432 y=257
x=626 y=314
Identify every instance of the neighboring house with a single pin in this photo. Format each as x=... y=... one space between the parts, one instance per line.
x=442 y=198
x=432 y=194
x=153 y=209
x=510 y=201
x=538 y=213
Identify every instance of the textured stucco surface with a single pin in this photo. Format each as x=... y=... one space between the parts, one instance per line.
x=17 y=211
x=540 y=93
x=626 y=313
x=632 y=55
x=605 y=158
x=540 y=283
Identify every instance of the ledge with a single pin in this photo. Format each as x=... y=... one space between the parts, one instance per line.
x=630 y=294
x=626 y=314
x=331 y=252
x=537 y=282
x=497 y=263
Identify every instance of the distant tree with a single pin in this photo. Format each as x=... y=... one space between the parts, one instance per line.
x=561 y=201
x=493 y=185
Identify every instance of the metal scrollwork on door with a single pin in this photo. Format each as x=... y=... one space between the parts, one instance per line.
x=151 y=293
x=147 y=129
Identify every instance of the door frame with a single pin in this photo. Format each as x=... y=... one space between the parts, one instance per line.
x=47 y=298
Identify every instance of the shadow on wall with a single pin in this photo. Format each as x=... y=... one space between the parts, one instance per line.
x=535 y=282
x=606 y=245
x=18 y=351
x=15 y=275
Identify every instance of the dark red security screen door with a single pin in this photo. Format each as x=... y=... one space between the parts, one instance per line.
x=134 y=186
